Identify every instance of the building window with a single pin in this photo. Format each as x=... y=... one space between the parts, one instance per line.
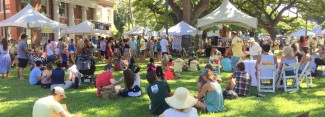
x=7 y=6
x=44 y=7
x=108 y=14
x=23 y=3
x=63 y=9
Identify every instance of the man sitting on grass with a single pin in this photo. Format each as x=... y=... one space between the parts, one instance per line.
x=35 y=76
x=106 y=79
x=49 y=106
x=157 y=92
x=240 y=81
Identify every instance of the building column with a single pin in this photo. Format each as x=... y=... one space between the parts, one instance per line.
x=56 y=16
x=84 y=13
x=71 y=18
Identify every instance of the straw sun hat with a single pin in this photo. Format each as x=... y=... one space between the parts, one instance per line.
x=182 y=99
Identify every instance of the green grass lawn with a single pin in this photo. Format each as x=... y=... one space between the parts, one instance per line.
x=17 y=99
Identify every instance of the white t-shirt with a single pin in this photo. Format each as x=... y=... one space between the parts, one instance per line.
x=163 y=44
x=255 y=49
x=136 y=82
x=73 y=70
x=46 y=107
x=191 y=112
x=49 y=50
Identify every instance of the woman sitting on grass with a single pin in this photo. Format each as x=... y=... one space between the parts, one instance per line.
x=132 y=83
x=240 y=81
x=46 y=76
x=181 y=104
x=201 y=80
x=58 y=77
x=212 y=94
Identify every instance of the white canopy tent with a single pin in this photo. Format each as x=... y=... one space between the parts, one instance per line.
x=302 y=32
x=138 y=30
x=182 y=28
x=28 y=17
x=318 y=31
x=227 y=13
x=84 y=27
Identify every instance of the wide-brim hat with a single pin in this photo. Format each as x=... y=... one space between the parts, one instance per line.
x=182 y=99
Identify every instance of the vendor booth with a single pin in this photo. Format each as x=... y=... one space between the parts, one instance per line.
x=138 y=30
x=85 y=27
x=226 y=13
x=30 y=18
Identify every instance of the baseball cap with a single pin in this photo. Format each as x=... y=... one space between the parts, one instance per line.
x=23 y=36
x=59 y=91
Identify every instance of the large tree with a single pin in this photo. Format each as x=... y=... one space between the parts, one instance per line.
x=181 y=10
x=269 y=14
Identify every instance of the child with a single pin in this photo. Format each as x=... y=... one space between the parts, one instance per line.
x=169 y=74
x=226 y=64
x=194 y=64
x=118 y=64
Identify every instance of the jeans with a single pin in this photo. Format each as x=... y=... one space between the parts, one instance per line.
x=234 y=60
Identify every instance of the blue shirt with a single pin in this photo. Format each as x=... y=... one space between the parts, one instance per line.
x=226 y=64
x=64 y=57
x=21 y=53
x=36 y=72
x=57 y=76
x=71 y=47
x=133 y=44
x=94 y=41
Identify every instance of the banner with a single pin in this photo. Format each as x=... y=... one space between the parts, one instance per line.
x=48 y=29
x=177 y=43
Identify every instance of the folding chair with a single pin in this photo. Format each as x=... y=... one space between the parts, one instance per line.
x=285 y=77
x=261 y=78
x=306 y=72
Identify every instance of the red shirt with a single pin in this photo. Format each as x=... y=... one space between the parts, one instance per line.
x=103 y=79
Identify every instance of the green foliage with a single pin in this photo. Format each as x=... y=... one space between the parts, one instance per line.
x=296 y=25
x=323 y=25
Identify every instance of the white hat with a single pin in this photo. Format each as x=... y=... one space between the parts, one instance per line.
x=251 y=39
x=182 y=99
x=59 y=90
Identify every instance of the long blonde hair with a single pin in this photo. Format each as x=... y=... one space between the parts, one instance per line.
x=288 y=51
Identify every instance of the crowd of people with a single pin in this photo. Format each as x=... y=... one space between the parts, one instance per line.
x=122 y=55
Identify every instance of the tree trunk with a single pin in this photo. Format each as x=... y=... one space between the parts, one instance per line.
x=272 y=32
x=187 y=8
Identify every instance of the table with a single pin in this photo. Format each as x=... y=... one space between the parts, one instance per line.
x=250 y=69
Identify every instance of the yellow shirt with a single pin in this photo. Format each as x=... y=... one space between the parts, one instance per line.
x=237 y=49
x=143 y=44
x=178 y=65
x=47 y=107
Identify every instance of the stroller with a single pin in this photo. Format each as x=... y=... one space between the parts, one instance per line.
x=86 y=66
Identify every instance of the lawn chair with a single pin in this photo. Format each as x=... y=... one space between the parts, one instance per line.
x=285 y=77
x=306 y=72
x=260 y=80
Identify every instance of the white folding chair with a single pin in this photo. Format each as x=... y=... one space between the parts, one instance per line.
x=261 y=78
x=306 y=72
x=285 y=77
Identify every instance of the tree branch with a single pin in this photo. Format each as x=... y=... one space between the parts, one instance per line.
x=279 y=16
x=200 y=8
x=177 y=10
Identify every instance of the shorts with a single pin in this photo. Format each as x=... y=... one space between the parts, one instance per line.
x=134 y=52
x=142 y=52
x=165 y=53
x=71 y=52
x=102 y=53
x=22 y=63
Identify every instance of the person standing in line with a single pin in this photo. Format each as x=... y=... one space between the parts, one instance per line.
x=22 y=56
x=133 y=47
x=143 y=49
x=102 y=46
x=5 y=59
x=237 y=48
x=164 y=46
x=13 y=52
x=71 y=49
x=151 y=47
